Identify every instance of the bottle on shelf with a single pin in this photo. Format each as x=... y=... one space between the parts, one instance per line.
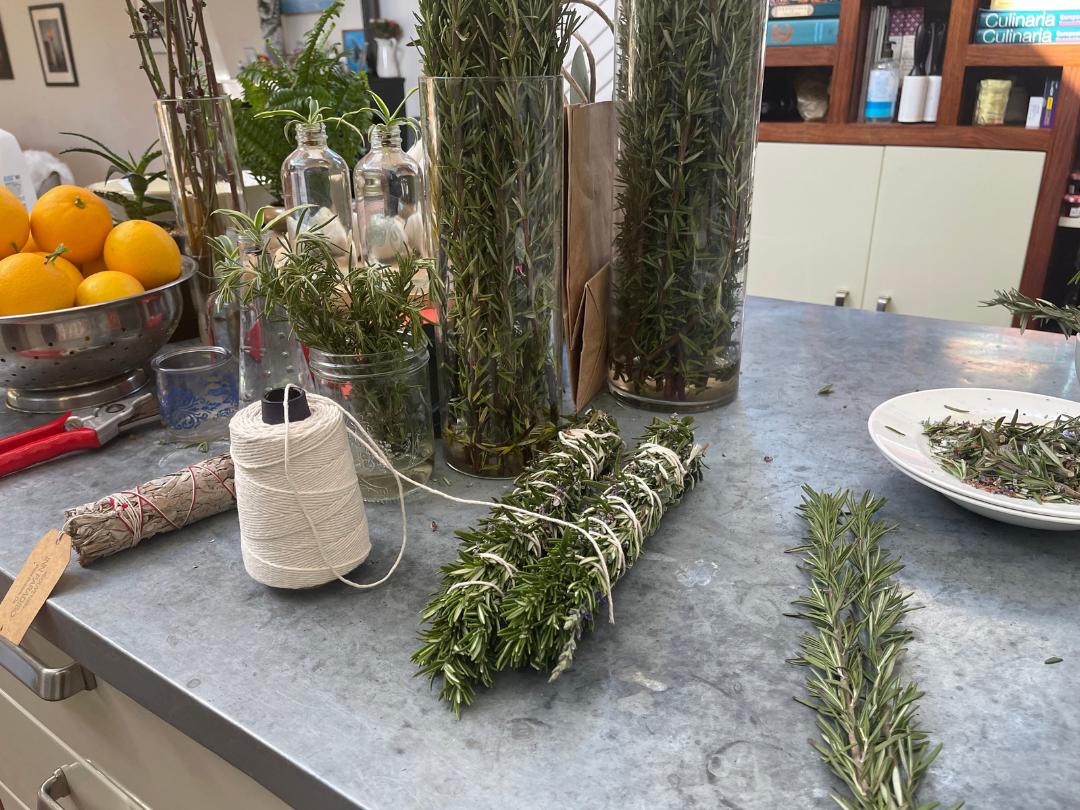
x=882 y=88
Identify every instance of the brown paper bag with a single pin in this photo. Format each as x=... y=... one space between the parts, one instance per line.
x=590 y=174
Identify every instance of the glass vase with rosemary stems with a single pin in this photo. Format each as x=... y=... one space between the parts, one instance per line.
x=491 y=105
x=688 y=90
x=363 y=327
x=194 y=115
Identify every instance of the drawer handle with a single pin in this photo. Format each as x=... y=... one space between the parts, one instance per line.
x=53 y=788
x=840 y=299
x=883 y=302
x=48 y=683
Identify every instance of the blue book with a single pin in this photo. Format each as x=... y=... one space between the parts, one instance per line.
x=1029 y=19
x=792 y=11
x=803 y=32
x=1026 y=36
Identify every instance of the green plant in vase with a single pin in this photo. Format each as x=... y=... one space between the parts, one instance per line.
x=363 y=328
x=492 y=102
x=136 y=172
x=688 y=86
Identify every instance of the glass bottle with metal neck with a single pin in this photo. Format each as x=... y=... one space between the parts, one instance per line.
x=388 y=200
x=314 y=174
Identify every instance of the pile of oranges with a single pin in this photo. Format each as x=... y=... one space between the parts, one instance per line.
x=66 y=252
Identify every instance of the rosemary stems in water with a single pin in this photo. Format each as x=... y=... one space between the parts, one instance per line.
x=554 y=600
x=689 y=84
x=459 y=644
x=866 y=713
x=493 y=128
x=1010 y=457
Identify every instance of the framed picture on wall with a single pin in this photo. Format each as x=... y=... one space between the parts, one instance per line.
x=54 y=45
x=5 y=58
x=352 y=43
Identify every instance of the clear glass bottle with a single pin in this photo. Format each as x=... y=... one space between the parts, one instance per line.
x=270 y=354
x=314 y=174
x=388 y=201
x=882 y=88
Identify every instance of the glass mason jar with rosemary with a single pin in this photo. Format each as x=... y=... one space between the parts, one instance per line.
x=315 y=175
x=389 y=394
x=494 y=149
x=688 y=105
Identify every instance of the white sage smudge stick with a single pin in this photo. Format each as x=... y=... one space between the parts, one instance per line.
x=124 y=519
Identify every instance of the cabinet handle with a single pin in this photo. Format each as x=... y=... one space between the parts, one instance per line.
x=840 y=299
x=883 y=303
x=53 y=788
x=48 y=683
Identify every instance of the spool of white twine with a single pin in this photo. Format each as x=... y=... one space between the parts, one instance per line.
x=302 y=518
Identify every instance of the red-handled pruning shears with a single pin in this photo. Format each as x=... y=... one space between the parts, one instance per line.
x=86 y=429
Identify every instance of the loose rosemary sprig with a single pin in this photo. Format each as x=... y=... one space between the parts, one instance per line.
x=555 y=599
x=1036 y=309
x=866 y=713
x=459 y=644
x=1010 y=457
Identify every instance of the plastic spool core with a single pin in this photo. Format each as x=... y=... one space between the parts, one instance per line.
x=273 y=406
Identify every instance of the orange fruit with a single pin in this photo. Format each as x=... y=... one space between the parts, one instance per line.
x=31 y=245
x=93 y=266
x=30 y=283
x=144 y=250
x=74 y=216
x=14 y=223
x=108 y=285
x=70 y=270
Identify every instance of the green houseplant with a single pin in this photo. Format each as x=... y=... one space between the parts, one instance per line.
x=286 y=83
x=492 y=102
x=688 y=87
x=136 y=171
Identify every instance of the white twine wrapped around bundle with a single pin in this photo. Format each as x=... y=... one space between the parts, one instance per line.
x=286 y=473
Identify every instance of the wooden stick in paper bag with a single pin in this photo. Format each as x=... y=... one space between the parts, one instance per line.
x=122 y=520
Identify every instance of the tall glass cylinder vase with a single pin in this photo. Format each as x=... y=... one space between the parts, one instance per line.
x=198 y=143
x=688 y=105
x=495 y=154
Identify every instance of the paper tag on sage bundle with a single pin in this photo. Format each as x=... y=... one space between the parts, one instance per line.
x=39 y=575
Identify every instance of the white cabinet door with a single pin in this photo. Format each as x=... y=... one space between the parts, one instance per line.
x=812 y=220
x=952 y=226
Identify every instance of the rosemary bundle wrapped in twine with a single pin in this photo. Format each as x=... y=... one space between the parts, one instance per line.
x=554 y=600
x=866 y=713
x=459 y=644
x=122 y=520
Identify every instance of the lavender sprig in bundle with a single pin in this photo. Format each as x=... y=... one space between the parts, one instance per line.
x=459 y=644
x=553 y=600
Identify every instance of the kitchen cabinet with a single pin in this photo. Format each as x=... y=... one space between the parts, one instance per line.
x=951 y=227
x=917 y=230
x=114 y=754
x=812 y=221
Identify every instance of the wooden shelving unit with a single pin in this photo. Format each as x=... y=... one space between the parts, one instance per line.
x=951 y=130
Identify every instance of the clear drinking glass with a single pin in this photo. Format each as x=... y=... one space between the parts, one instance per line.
x=688 y=104
x=390 y=395
x=314 y=174
x=495 y=179
x=197 y=393
x=198 y=142
x=389 y=193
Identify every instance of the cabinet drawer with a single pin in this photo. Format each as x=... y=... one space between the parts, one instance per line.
x=165 y=768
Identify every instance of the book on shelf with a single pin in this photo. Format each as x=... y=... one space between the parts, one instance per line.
x=1026 y=36
x=802 y=32
x=877 y=30
x=903 y=23
x=796 y=2
x=1034 y=5
x=1028 y=19
x=787 y=11
x=1050 y=92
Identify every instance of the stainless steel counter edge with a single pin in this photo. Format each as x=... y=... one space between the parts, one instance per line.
x=178 y=707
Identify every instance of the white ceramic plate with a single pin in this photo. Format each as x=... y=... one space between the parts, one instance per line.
x=910 y=452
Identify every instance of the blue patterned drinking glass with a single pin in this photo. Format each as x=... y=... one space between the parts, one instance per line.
x=197 y=392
